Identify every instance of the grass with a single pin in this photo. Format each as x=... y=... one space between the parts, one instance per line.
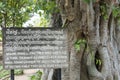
x=36 y=76
x=4 y=73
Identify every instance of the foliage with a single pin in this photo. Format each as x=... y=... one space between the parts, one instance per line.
x=36 y=76
x=103 y=8
x=88 y=1
x=79 y=43
x=37 y=21
x=48 y=6
x=15 y=12
x=4 y=73
x=116 y=12
x=44 y=22
x=18 y=72
x=98 y=62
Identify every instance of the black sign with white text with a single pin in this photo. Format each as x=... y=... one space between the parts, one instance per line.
x=26 y=48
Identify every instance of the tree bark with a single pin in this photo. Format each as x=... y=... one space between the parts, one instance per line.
x=94 y=22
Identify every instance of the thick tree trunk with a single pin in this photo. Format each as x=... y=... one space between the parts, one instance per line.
x=99 y=58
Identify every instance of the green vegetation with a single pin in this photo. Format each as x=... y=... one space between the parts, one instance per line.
x=18 y=72
x=98 y=62
x=88 y=1
x=116 y=12
x=6 y=73
x=48 y=6
x=16 y=12
x=36 y=76
x=103 y=9
x=79 y=43
x=44 y=22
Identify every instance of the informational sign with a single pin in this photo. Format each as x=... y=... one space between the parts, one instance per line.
x=27 y=48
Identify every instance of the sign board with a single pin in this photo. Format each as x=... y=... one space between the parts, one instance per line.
x=26 y=48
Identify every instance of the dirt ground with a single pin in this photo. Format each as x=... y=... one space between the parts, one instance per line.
x=26 y=75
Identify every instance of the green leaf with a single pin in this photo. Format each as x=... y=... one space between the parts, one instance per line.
x=87 y=1
x=78 y=43
x=116 y=11
x=32 y=77
x=18 y=72
x=77 y=47
x=36 y=76
x=97 y=61
x=100 y=62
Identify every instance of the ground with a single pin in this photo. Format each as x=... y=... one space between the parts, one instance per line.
x=26 y=75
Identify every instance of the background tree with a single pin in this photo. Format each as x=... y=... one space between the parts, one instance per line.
x=16 y=12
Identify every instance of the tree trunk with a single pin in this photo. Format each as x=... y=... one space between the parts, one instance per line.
x=93 y=21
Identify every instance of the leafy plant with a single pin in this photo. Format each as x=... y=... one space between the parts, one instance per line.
x=98 y=62
x=88 y=1
x=44 y=22
x=47 y=6
x=79 y=43
x=36 y=76
x=103 y=9
x=116 y=11
x=18 y=72
x=4 y=73
x=16 y=12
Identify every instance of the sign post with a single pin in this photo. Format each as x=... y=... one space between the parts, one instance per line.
x=59 y=74
x=12 y=74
